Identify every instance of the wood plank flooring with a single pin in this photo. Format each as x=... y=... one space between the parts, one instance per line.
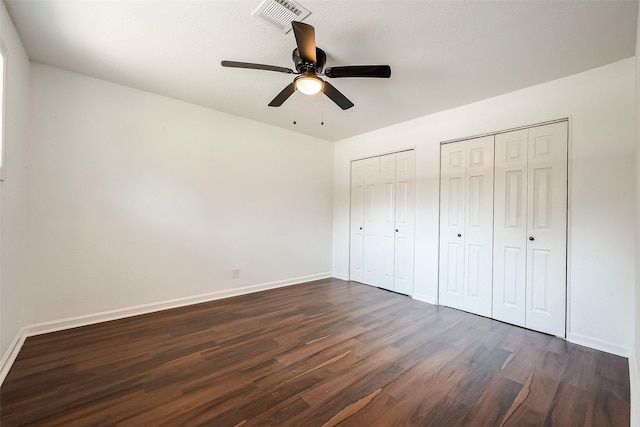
x=318 y=354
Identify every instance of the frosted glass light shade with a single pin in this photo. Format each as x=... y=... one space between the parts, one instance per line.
x=309 y=85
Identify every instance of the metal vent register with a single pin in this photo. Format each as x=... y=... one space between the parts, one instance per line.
x=280 y=13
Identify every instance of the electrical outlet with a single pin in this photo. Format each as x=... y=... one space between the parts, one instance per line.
x=235 y=273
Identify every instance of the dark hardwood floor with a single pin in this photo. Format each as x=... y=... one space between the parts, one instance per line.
x=322 y=353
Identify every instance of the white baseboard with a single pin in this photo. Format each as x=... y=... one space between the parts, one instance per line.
x=634 y=382
x=73 y=322
x=10 y=356
x=599 y=344
x=424 y=298
x=340 y=276
x=105 y=316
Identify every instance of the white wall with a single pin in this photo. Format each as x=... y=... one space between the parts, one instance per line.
x=136 y=198
x=634 y=366
x=600 y=104
x=13 y=189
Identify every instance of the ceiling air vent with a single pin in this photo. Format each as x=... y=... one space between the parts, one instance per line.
x=280 y=13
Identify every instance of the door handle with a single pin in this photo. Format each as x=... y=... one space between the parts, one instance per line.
x=459 y=235
x=360 y=228
x=396 y=230
x=531 y=238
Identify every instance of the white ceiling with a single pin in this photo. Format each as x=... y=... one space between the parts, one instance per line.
x=442 y=54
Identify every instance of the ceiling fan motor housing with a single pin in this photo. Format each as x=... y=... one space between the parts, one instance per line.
x=301 y=66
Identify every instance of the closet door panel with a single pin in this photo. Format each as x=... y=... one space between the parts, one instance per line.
x=478 y=240
x=510 y=227
x=452 y=197
x=371 y=213
x=404 y=221
x=356 y=250
x=547 y=228
x=386 y=218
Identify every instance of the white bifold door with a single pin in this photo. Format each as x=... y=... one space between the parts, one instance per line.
x=356 y=235
x=531 y=227
x=503 y=226
x=466 y=225
x=382 y=221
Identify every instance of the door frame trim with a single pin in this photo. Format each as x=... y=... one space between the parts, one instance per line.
x=549 y=122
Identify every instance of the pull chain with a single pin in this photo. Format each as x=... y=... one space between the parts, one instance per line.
x=295 y=109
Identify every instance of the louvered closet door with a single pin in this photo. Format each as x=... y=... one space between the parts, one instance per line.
x=371 y=213
x=404 y=221
x=466 y=225
x=510 y=227
x=547 y=228
x=386 y=220
x=356 y=250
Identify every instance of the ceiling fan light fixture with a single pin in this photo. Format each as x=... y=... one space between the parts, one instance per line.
x=309 y=84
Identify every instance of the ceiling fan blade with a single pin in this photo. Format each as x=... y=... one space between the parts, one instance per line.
x=379 y=71
x=235 y=64
x=306 y=40
x=336 y=96
x=283 y=96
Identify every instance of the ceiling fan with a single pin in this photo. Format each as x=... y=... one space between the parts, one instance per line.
x=309 y=61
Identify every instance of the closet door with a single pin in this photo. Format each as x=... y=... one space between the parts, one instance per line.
x=547 y=228
x=386 y=222
x=382 y=221
x=466 y=225
x=356 y=250
x=510 y=227
x=371 y=213
x=530 y=228
x=478 y=240
x=452 y=182
x=404 y=221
